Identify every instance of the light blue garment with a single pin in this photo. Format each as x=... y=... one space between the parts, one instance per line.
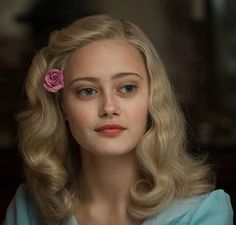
x=213 y=208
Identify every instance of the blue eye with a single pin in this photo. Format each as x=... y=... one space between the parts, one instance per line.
x=128 y=88
x=86 y=92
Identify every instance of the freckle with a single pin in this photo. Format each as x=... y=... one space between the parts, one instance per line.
x=84 y=117
x=140 y=109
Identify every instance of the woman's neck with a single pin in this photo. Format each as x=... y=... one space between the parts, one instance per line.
x=108 y=178
x=107 y=184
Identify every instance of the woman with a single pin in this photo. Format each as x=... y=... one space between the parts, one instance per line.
x=103 y=138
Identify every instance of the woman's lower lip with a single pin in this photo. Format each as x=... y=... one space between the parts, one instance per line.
x=111 y=132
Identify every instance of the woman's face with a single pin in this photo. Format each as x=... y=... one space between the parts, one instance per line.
x=106 y=97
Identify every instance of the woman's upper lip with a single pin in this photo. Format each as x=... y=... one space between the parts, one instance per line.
x=110 y=126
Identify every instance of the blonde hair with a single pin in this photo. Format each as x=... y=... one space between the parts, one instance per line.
x=51 y=170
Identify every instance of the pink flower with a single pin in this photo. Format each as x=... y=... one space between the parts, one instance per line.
x=53 y=80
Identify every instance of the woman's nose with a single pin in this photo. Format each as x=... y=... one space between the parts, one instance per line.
x=109 y=106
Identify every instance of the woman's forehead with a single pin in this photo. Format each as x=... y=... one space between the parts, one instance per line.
x=105 y=57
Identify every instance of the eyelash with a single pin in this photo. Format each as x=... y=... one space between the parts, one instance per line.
x=129 y=86
x=82 y=92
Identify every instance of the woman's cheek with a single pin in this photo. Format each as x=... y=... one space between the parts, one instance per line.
x=81 y=117
x=140 y=111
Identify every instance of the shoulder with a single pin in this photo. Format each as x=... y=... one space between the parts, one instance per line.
x=215 y=208
x=211 y=208
x=21 y=210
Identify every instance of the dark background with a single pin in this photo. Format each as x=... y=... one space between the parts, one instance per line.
x=195 y=38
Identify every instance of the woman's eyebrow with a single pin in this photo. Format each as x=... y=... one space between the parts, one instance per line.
x=114 y=77
x=125 y=74
x=90 y=79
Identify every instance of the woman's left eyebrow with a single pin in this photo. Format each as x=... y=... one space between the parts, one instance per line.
x=125 y=74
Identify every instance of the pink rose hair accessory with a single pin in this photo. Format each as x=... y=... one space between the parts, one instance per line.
x=53 y=80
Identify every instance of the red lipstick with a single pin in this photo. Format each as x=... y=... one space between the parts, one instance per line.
x=110 y=129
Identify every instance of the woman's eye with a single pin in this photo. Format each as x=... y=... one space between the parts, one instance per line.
x=86 y=92
x=128 y=88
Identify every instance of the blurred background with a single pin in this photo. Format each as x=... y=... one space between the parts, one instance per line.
x=196 y=40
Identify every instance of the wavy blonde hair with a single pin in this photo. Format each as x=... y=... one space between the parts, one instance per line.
x=51 y=170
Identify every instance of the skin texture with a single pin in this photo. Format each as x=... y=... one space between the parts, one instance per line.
x=106 y=99
x=106 y=83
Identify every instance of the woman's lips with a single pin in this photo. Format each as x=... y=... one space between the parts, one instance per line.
x=110 y=129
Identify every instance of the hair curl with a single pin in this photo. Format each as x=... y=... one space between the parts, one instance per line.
x=51 y=170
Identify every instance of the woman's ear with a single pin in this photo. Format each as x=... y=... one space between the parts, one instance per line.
x=149 y=122
x=62 y=106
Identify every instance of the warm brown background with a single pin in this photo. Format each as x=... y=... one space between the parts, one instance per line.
x=195 y=38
